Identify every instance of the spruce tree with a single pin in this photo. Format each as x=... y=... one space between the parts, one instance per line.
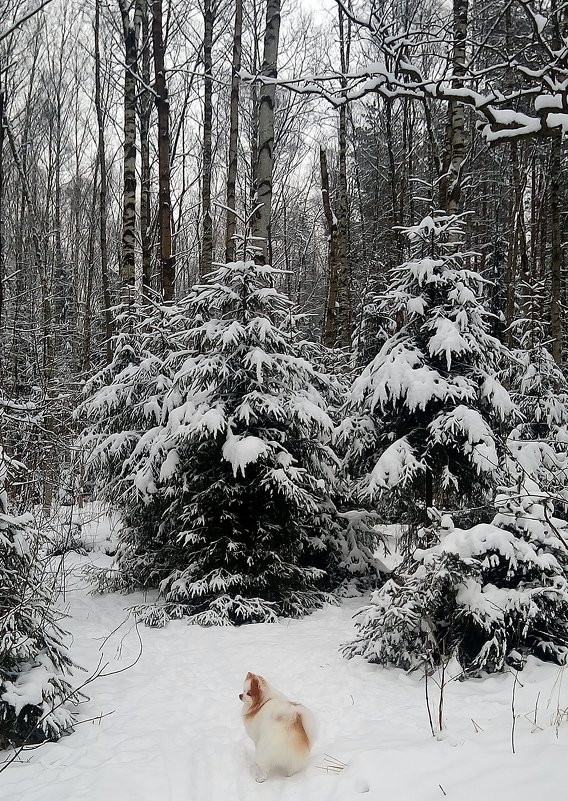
x=228 y=491
x=424 y=417
x=537 y=446
x=36 y=698
x=487 y=596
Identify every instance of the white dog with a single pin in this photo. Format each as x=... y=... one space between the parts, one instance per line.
x=283 y=731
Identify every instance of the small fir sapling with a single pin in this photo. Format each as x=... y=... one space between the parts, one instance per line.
x=538 y=444
x=36 y=698
x=488 y=595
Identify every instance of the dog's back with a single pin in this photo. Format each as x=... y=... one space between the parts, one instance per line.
x=283 y=733
x=282 y=730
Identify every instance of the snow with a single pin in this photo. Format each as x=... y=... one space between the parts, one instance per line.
x=400 y=374
x=518 y=124
x=447 y=340
x=558 y=120
x=540 y=21
x=486 y=537
x=548 y=101
x=241 y=451
x=168 y=727
x=397 y=464
x=468 y=423
x=170 y=465
x=28 y=688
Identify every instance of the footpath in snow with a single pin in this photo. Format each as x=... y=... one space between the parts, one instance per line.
x=171 y=730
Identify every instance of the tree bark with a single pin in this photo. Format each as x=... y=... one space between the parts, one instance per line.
x=2 y=227
x=456 y=126
x=128 y=257
x=330 y=319
x=103 y=192
x=344 y=313
x=85 y=365
x=145 y=177
x=167 y=261
x=265 y=159
x=206 y=260
x=230 y=244
x=556 y=321
x=559 y=16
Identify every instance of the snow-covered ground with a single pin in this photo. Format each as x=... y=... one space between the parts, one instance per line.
x=171 y=731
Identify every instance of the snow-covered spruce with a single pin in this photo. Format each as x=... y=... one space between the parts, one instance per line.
x=424 y=415
x=125 y=398
x=36 y=699
x=227 y=493
x=375 y=324
x=538 y=445
x=488 y=596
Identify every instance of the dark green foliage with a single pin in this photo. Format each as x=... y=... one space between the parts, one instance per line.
x=487 y=596
x=35 y=696
x=220 y=455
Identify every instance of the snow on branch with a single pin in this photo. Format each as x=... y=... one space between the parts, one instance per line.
x=514 y=97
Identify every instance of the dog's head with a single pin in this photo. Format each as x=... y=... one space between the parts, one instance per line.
x=254 y=692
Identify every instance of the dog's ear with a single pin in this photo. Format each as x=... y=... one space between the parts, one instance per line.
x=249 y=676
x=255 y=690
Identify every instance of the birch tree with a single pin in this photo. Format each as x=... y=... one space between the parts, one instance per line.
x=230 y=245
x=265 y=157
x=128 y=258
x=167 y=261
x=103 y=188
x=206 y=260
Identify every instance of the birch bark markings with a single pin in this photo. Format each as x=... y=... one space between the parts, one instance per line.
x=337 y=324
x=265 y=159
x=560 y=23
x=451 y=187
x=128 y=258
x=103 y=190
x=330 y=318
x=343 y=261
x=230 y=244
x=206 y=259
x=556 y=320
x=167 y=261
x=2 y=259
x=145 y=111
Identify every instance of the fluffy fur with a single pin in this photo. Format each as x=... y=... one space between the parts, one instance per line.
x=283 y=731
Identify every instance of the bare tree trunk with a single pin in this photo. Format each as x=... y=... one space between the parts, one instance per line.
x=253 y=115
x=206 y=260
x=167 y=261
x=2 y=227
x=230 y=244
x=330 y=320
x=48 y=348
x=145 y=179
x=556 y=321
x=343 y=261
x=559 y=16
x=101 y=154
x=520 y=228
x=18 y=358
x=456 y=127
x=60 y=283
x=87 y=322
x=265 y=160
x=511 y=283
x=128 y=258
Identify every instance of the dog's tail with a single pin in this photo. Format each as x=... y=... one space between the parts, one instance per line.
x=300 y=732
